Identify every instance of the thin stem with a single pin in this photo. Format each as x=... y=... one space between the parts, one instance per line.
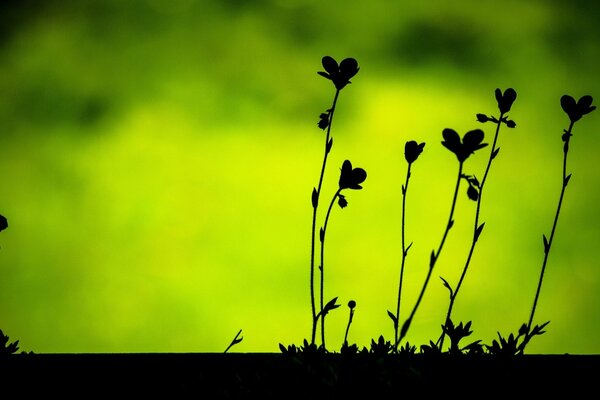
x=322 y=237
x=348 y=326
x=476 y=228
x=434 y=256
x=404 y=253
x=314 y=221
x=237 y=339
x=547 y=246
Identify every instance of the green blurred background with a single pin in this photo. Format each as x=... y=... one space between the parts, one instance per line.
x=158 y=159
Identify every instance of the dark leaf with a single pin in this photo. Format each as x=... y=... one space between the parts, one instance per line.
x=321 y=234
x=412 y=150
x=342 y=202
x=584 y=105
x=472 y=193
x=495 y=153
x=323 y=120
x=450 y=224
x=331 y=305
x=393 y=317
x=351 y=178
x=506 y=99
x=432 y=259
x=315 y=198
x=473 y=138
x=546 y=244
x=451 y=140
x=569 y=106
x=329 y=145
x=447 y=286
x=482 y=118
x=523 y=330
x=348 y=68
x=567 y=179
x=479 y=230
x=405 y=327
x=330 y=65
x=3 y=223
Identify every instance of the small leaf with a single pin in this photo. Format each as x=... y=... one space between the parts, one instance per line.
x=567 y=179
x=495 y=153
x=403 y=190
x=329 y=145
x=328 y=307
x=315 y=198
x=432 y=259
x=393 y=317
x=546 y=244
x=447 y=286
x=482 y=118
x=321 y=234
x=405 y=327
x=406 y=251
x=472 y=193
x=478 y=231
x=450 y=224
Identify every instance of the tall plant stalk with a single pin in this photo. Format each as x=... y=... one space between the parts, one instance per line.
x=412 y=150
x=574 y=110
x=340 y=75
x=475 y=191
x=462 y=149
x=315 y=203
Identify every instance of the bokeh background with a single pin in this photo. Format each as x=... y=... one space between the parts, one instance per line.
x=158 y=159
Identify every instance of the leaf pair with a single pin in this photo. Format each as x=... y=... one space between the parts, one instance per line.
x=339 y=74
x=576 y=110
x=351 y=178
x=470 y=143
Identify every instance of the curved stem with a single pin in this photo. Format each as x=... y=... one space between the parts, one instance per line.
x=348 y=327
x=322 y=237
x=404 y=253
x=314 y=220
x=434 y=256
x=476 y=229
x=565 y=181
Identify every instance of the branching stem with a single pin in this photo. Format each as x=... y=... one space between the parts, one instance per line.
x=314 y=220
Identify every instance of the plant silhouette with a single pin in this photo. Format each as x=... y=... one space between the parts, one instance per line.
x=412 y=151
x=475 y=190
x=575 y=111
x=350 y=178
x=462 y=149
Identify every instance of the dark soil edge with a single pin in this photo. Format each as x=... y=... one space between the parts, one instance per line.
x=278 y=376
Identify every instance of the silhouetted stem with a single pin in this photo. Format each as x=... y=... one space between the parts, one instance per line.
x=323 y=263
x=404 y=253
x=314 y=222
x=475 y=228
x=435 y=256
x=551 y=238
x=348 y=326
